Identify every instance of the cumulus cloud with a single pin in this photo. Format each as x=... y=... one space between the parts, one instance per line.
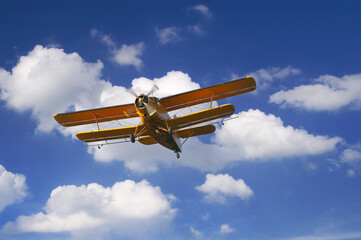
x=129 y=54
x=265 y=76
x=351 y=158
x=203 y=10
x=251 y=136
x=125 y=208
x=13 y=188
x=168 y=35
x=351 y=155
x=256 y=135
x=225 y=228
x=218 y=187
x=126 y=54
x=328 y=93
x=48 y=81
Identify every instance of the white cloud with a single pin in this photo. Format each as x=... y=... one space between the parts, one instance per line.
x=351 y=173
x=13 y=188
x=125 y=208
x=168 y=35
x=218 y=187
x=196 y=234
x=225 y=228
x=203 y=10
x=351 y=158
x=328 y=93
x=351 y=155
x=48 y=81
x=265 y=76
x=258 y=136
x=129 y=54
x=104 y=38
x=126 y=54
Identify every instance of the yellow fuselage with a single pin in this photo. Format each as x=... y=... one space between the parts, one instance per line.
x=154 y=118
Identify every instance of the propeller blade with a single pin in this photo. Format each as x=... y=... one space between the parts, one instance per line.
x=131 y=91
x=154 y=89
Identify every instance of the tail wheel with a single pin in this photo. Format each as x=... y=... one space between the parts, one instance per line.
x=177 y=154
x=132 y=138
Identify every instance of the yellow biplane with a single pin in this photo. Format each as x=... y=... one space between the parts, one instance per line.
x=157 y=126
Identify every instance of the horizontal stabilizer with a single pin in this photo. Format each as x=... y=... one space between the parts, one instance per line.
x=96 y=115
x=201 y=116
x=109 y=134
x=196 y=131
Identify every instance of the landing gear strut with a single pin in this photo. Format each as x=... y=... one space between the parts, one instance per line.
x=170 y=131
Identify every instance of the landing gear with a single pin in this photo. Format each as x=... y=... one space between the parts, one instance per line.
x=132 y=138
x=176 y=153
x=170 y=131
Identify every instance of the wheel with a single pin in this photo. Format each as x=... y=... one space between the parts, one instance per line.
x=177 y=154
x=132 y=138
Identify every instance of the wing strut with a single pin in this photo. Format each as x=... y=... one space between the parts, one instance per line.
x=211 y=98
x=96 y=120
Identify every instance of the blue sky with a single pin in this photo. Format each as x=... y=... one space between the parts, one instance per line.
x=287 y=167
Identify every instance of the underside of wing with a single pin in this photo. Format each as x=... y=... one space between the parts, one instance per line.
x=208 y=94
x=96 y=115
x=110 y=134
x=182 y=133
x=147 y=140
x=196 y=131
x=201 y=116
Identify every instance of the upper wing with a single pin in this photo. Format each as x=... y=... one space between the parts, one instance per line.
x=96 y=115
x=208 y=94
x=201 y=116
x=110 y=134
x=170 y=103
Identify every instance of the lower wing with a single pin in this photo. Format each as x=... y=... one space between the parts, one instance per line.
x=111 y=134
x=183 y=133
x=201 y=116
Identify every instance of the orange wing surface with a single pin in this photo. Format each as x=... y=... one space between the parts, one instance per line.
x=196 y=131
x=110 y=134
x=183 y=133
x=208 y=94
x=147 y=140
x=201 y=116
x=96 y=115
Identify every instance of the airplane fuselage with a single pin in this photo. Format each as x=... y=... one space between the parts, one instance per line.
x=154 y=117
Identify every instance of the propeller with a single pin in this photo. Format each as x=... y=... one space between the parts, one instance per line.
x=154 y=89
x=151 y=91
x=131 y=91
